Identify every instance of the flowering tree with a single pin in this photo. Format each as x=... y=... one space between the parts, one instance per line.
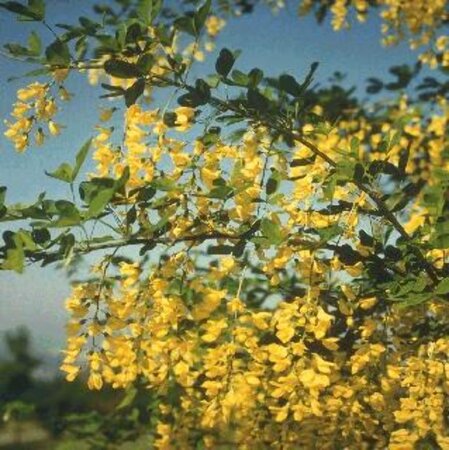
x=289 y=282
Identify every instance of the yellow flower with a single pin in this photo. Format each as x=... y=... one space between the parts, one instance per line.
x=213 y=330
x=322 y=365
x=214 y=25
x=106 y=114
x=252 y=380
x=39 y=137
x=54 y=128
x=235 y=306
x=209 y=175
x=60 y=74
x=130 y=273
x=95 y=381
x=322 y=325
x=71 y=370
x=367 y=303
x=34 y=90
x=276 y=352
x=211 y=301
x=184 y=118
x=285 y=332
x=313 y=380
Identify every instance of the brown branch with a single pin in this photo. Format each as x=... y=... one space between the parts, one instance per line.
x=85 y=247
x=375 y=197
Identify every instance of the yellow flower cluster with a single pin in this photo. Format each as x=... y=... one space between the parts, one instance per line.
x=259 y=378
x=417 y=20
x=252 y=317
x=35 y=104
x=323 y=353
x=145 y=144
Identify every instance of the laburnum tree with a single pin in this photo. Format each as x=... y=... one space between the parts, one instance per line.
x=271 y=260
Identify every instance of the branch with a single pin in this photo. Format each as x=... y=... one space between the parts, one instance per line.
x=85 y=247
x=375 y=197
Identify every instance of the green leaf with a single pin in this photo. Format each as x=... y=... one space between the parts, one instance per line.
x=441 y=241
x=90 y=27
x=40 y=235
x=145 y=62
x=255 y=76
x=68 y=214
x=26 y=240
x=414 y=299
x=3 y=190
x=116 y=89
x=81 y=47
x=303 y=161
x=89 y=189
x=375 y=86
x=103 y=194
x=186 y=24
x=33 y=49
x=15 y=254
x=131 y=216
x=224 y=62
x=201 y=16
x=34 y=11
x=345 y=170
x=31 y=73
x=272 y=231
x=366 y=239
x=257 y=100
x=327 y=234
x=99 y=202
x=122 y=69
x=309 y=77
x=221 y=192
x=440 y=236
x=239 y=248
x=14 y=260
x=288 y=84
x=37 y=7
x=192 y=100
x=213 y=80
x=170 y=119
x=202 y=89
x=134 y=92
x=196 y=97
x=272 y=183
x=240 y=78
x=66 y=245
x=164 y=184
x=161 y=224
x=80 y=158
x=148 y=10
x=415 y=285
x=64 y=173
x=58 y=54
x=355 y=145
x=34 y=44
x=128 y=398
x=220 y=249
x=347 y=255
x=443 y=287
x=145 y=193
x=211 y=137
x=359 y=172
x=17 y=49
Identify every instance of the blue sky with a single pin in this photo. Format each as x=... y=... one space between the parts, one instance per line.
x=275 y=43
